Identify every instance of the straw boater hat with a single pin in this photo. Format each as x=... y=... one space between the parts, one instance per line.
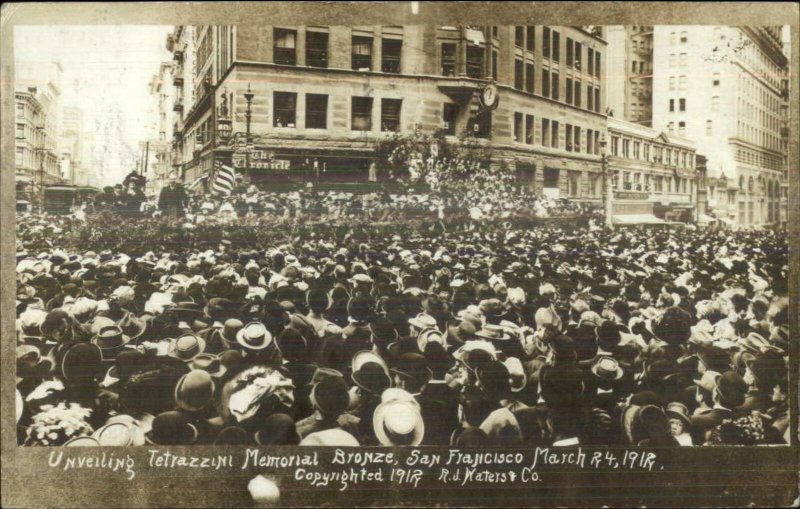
x=254 y=337
x=607 y=368
x=397 y=420
x=111 y=341
x=187 y=347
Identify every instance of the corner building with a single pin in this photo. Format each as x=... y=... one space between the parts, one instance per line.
x=322 y=96
x=720 y=86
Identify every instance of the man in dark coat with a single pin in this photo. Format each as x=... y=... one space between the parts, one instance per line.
x=172 y=199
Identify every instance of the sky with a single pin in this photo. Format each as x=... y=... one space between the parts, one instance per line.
x=106 y=71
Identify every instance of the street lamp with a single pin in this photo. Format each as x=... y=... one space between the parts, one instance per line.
x=248 y=96
x=607 y=191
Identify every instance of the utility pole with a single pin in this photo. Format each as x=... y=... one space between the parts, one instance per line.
x=608 y=191
x=146 y=154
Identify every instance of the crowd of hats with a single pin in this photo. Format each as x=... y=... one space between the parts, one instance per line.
x=469 y=337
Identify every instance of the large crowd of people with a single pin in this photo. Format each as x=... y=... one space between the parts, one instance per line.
x=434 y=317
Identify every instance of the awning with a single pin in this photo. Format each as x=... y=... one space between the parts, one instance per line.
x=22 y=179
x=636 y=219
x=705 y=218
x=727 y=221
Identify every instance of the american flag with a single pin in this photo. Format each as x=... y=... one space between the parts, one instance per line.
x=224 y=179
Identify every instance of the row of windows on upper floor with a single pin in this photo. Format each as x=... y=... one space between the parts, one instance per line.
x=641 y=151
x=362 y=49
x=550 y=134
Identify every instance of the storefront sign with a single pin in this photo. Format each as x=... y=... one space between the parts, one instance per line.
x=630 y=195
x=261 y=160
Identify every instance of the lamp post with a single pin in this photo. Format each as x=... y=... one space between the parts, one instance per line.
x=608 y=192
x=248 y=96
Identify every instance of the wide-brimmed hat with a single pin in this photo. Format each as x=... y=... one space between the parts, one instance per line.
x=330 y=438
x=31 y=364
x=462 y=332
x=278 y=429
x=475 y=353
x=118 y=434
x=132 y=325
x=322 y=373
x=82 y=363
x=187 y=347
x=195 y=390
x=330 y=396
x=230 y=329
x=398 y=422
x=492 y=332
x=679 y=411
x=292 y=345
x=111 y=340
x=732 y=389
x=428 y=336
x=517 y=378
x=209 y=363
x=171 y=428
x=361 y=308
x=495 y=379
x=233 y=435
x=412 y=365
x=423 y=321
x=254 y=336
x=370 y=372
x=607 y=368
x=82 y=441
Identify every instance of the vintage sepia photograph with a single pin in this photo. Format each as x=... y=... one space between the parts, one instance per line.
x=489 y=237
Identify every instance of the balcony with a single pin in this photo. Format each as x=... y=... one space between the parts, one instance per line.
x=177 y=54
x=178 y=106
x=177 y=77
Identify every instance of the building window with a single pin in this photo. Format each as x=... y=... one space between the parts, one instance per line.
x=684 y=37
x=597 y=99
x=589 y=97
x=545 y=132
x=529 y=134
x=589 y=141
x=554 y=134
x=518 y=126
x=481 y=124
x=545 y=83
x=569 y=91
x=317 y=49
x=672 y=105
x=361 y=114
x=682 y=128
x=590 y=60
x=362 y=53
x=715 y=103
x=568 y=137
x=682 y=60
x=576 y=138
x=672 y=60
x=672 y=82
x=450 y=114
x=495 y=58
x=672 y=38
x=390 y=114
x=682 y=83
x=578 y=54
x=554 y=89
x=285 y=46
x=556 y=53
x=681 y=104
x=519 y=77
x=448 y=59
x=597 y=63
x=316 y=111
x=576 y=96
x=546 y=42
x=530 y=42
x=20 y=152
x=519 y=37
x=20 y=133
x=626 y=148
x=529 y=77
x=671 y=127
x=709 y=128
x=633 y=66
x=494 y=32
x=390 y=55
x=636 y=146
x=615 y=145
x=474 y=61
x=285 y=105
x=715 y=79
x=570 y=52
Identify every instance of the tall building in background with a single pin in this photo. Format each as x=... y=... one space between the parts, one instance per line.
x=629 y=92
x=70 y=146
x=785 y=123
x=720 y=86
x=323 y=96
x=37 y=127
x=157 y=148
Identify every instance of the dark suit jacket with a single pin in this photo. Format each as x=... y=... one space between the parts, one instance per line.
x=439 y=408
x=702 y=424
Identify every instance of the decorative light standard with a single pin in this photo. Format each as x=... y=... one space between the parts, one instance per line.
x=607 y=190
x=248 y=96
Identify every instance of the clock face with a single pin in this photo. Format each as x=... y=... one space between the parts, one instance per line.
x=489 y=96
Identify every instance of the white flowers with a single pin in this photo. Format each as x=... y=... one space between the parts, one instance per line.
x=54 y=425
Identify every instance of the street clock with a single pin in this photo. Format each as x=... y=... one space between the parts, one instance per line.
x=489 y=97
